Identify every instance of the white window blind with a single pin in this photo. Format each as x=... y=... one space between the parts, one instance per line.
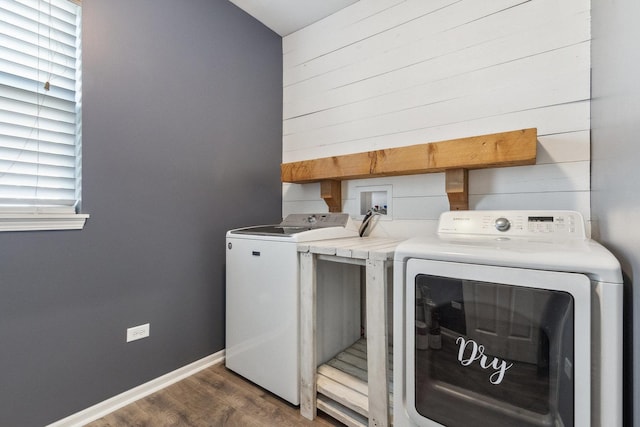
x=40 y=108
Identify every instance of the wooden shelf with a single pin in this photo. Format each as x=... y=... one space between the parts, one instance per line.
x=342 y=386
x=454 y=157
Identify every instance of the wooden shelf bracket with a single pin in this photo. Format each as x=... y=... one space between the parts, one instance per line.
x=457 y=187
x=331 y=192
x=455 y=157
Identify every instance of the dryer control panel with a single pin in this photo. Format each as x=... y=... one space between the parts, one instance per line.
x=555 y=223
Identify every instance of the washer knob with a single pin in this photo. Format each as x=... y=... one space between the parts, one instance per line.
x=502 y=224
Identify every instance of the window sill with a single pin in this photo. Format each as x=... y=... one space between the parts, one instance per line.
x=41 y=221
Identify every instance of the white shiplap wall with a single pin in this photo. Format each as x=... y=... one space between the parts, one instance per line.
x=390 y=73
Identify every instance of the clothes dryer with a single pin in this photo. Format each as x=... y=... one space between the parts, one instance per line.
x=507 y=318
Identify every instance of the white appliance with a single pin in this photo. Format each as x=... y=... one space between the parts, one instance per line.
x=262 y=301
x=507 y=318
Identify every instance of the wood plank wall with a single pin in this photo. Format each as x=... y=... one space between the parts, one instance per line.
x=390 y=73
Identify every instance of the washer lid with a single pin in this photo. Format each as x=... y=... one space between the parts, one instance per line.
x=303 y=227
x=270 y=230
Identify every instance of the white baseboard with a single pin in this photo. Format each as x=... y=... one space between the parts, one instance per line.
x=101 y=409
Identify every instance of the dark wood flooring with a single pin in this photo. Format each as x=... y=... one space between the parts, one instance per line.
x=212 y=397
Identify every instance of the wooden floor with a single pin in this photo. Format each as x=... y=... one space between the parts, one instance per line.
x=212 y=397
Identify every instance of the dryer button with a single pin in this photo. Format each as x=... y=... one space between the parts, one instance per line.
x=502 y=224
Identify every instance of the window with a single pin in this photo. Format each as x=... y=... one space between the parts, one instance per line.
x=40 y=115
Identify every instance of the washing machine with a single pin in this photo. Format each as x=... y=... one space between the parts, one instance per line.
x=507 y=318
x=262 y=300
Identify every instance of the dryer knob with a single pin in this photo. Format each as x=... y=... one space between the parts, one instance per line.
x=502 y=224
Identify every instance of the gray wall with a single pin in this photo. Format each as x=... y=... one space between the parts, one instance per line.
x=181 y=141
x=615 y=138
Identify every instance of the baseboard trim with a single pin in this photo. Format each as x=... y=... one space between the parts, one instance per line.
x=101 y=409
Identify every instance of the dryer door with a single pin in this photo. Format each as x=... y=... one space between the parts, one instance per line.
x=503 y=345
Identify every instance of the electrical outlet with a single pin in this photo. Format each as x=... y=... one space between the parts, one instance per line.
x=137 y=332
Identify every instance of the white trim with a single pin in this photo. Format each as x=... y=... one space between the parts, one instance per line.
x=41 y=221
x=101 y=409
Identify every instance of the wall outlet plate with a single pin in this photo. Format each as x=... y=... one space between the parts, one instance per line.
x=137 y=332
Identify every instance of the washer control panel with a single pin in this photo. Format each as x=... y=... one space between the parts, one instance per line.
x=565 y=224
x=315 y=220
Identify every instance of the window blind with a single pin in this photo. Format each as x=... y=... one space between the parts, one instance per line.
x=40 y=104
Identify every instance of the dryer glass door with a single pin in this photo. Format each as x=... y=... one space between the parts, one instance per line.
x=496 y=344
